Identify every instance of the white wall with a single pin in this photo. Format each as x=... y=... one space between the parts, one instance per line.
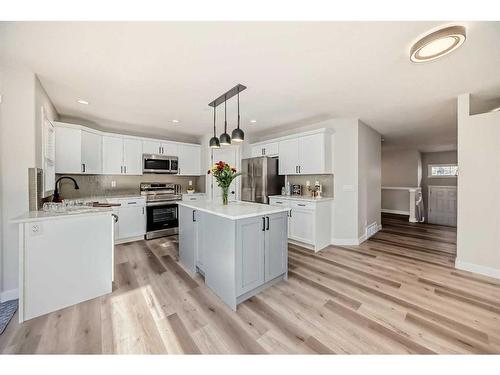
x=369 y=178
x=17 y=152
x=478 y=220
x=20 y=149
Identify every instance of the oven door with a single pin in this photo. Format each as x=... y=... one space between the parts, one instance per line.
x=155 y=164
x=161 y=216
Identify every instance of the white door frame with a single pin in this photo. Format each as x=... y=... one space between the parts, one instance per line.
x=429 y=190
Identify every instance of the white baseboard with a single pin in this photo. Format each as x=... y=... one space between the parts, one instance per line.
x=398 y=212
x=345 y=241
x=8 y=295
x=476 y=268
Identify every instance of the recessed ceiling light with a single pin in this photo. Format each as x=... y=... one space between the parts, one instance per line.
x=253 y=121
x=81 y=101
x=175 y=121
x=437 y=44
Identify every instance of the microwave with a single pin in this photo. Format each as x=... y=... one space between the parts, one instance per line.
x=152 y=163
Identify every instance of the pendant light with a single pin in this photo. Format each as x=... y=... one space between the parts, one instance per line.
x=214 y=141
x=225 y=139
x=238 y=135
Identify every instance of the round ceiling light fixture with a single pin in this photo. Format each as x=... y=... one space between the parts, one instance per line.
x=437 y=44
x=81 y=101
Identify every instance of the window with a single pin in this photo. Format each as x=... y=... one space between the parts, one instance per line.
x=443 y=170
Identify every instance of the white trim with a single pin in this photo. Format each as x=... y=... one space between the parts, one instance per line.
x=129 y=239
x=398 y=212
x=8 y=295
x=345 y=241
x=477 y=268
x=400 y=188
x=295 y=135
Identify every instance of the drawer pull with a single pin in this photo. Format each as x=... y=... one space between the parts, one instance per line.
x=301 y=204
x=279 y=202
x=192 y=199
x=132 y=202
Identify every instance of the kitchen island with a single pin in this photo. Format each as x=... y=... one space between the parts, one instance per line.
x=241 y=248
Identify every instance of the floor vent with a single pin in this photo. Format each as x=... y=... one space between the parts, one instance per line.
x=371 y=230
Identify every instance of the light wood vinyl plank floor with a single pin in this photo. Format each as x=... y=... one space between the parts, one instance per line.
x=396 y=293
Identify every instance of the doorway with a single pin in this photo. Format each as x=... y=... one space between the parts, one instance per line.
x=442 y=205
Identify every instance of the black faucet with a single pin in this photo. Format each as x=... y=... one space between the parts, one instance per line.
x=57 y=197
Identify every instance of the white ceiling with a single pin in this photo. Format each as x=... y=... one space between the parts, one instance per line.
x=140 y=76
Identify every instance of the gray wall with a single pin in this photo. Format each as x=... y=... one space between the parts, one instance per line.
x=100 y=185
x=400 y=168
x=444 y=157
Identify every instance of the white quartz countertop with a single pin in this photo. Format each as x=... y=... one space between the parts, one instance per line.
x=50 y=215
x=302 y=198
x=234 y=210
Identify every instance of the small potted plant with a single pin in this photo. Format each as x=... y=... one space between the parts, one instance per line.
x=224 y=174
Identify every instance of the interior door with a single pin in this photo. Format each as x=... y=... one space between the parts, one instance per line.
x=227 y=155
x=443 y=205
x=132 y=156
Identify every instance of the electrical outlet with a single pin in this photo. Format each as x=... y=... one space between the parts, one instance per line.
x=113 y=184
x=36 y=229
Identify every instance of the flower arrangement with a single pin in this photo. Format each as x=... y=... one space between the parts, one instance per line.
x=224 y=174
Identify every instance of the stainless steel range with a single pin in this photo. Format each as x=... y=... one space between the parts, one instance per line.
x=161 y=208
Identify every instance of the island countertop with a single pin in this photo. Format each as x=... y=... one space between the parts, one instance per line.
x=50 y=215
x=234 y=210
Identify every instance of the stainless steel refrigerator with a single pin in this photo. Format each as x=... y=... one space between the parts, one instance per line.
x=260 y=179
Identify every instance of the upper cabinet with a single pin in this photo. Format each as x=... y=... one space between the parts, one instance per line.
x=81 y=150
x=122 y=155
x=160 y=148
x=265 y=149
x=189 y=160
x=306 y=153
x=77 y=151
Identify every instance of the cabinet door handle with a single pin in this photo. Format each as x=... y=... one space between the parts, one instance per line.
x=194 y=218
x=279 y=202
x=300 y=169
x=132 y=202
x=290 y=213
x=263 y=224
x=83 y=169
x=301 y=205
x=125 y=169
x=267 y=218
x=143 y=210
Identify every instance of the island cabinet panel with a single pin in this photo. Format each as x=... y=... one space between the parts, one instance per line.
x=250 y=234
x=276 y=246
x=187 y=237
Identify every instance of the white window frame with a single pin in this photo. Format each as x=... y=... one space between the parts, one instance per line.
x=430 y=166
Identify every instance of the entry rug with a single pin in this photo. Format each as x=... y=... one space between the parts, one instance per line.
x=7 y=311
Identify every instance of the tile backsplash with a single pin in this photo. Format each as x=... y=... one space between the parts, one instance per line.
x=100 y=185
x=326 y=181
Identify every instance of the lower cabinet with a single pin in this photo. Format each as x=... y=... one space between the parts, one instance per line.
x=309 y=221
x=131 y=219
x=191 y=239
x=261 y=250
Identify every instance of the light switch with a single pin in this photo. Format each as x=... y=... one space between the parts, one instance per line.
x=113 y=184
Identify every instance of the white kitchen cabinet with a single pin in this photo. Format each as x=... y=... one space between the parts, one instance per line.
x=121 y=155
x=112 y=155
x=77 y=151
x=289 y=156
x=189 y=160
x=309 y=222
x=160 y=147
x=265 y=149
x=91 y=152
x=303 y=153
x=68 y=150
x=194 y=197
x=132 y=156
x=131 y=223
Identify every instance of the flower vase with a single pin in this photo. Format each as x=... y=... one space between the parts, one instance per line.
x=225 y=191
